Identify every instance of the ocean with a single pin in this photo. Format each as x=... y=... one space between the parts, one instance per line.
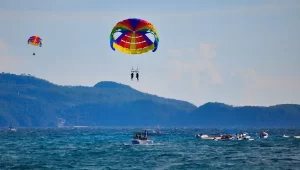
x=111 y=148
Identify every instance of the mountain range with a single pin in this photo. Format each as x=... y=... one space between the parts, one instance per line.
x=27 y=101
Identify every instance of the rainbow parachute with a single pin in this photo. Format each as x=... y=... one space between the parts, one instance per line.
x=133 y=38
x=35 y=41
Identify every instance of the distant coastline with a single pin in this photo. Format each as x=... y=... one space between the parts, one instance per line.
x=27 y=101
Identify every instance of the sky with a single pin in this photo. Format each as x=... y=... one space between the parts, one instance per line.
x=236 y=52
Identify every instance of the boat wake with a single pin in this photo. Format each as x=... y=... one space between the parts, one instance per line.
x=147 y=144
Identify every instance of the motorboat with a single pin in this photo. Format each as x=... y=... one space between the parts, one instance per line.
x=154 y=132
x=298 y=137
x=243 y=136
x=141 y=138
x=263 y=134
x=227 y=137
x=207 y=137
x=285 y=136
x=10 y=128
x=80 y=126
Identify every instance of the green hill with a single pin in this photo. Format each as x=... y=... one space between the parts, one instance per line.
x=26 y=101
x=32 y=102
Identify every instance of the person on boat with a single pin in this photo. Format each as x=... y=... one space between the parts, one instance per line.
x=146 y=135
x=137 y=76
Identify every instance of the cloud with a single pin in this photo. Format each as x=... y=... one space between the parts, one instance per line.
x=6 y=61
x=175 y=52
x=196 y=65
x=269 y=89
x=249 y=75
x=208 y=50
x=3 y=45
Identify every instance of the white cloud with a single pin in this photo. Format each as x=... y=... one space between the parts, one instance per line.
x=175 y=52
x=3 y=45
x=208 y=50
x=196 y=65
x=6 y=61
x=249 y=75
x=270 y=89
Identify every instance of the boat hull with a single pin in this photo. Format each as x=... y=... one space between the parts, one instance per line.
x=226 y=139
x=141 y=142
x=12 y=130
x=208 y=137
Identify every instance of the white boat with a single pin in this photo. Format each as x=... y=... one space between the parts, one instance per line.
x=154 y=132
x=243 y=136
x=264 y=135
x=141 y=138
x=207 y=137
x=285 y=136
x=61 y=122
x=298 y=137
x=204 y=136
x=80 y=126
x=10 y=128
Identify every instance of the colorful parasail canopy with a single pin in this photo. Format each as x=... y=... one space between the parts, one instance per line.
x=133 y=38
x=35 y=41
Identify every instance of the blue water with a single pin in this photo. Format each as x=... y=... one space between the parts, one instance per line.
x=110 y=148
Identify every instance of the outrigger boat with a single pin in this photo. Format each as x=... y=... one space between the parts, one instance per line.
x=141 y=138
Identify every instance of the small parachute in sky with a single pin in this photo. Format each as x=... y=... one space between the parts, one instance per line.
x=35 y=41
x=133 y=38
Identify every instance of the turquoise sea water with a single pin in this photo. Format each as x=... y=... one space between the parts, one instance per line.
x=110 y=148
